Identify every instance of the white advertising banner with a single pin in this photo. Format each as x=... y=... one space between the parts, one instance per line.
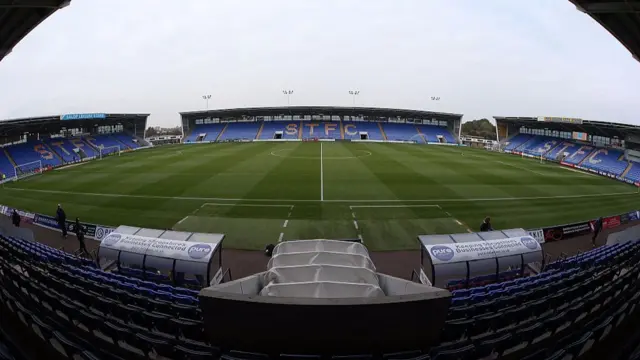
x=469 y=251
x=171 y=249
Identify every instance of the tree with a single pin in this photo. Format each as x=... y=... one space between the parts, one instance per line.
x=481 y=128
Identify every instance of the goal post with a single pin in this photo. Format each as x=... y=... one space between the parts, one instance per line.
x=27 y=169
x=109 y=150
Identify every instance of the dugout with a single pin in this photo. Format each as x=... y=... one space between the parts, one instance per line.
x=468 y=256
x=181 y=258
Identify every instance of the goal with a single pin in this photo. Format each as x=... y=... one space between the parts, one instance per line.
x=28 y=169
x=109 y=150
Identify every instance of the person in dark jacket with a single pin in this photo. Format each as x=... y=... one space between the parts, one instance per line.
x=61 y=217
x=486 y=225
x=597 y=227
x=15 y=218
x=80 y=236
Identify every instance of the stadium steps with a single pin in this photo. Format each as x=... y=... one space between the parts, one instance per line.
x=422 y=135
x=341 y=130
x=50 y=149
x=524 y=144
x=260 y=131
x=621 y=158
x=222 y=132
x=95 y=149
x=626 y=171
x=124 y=146
x=384 y=136
x=550 y=150
x=6 y=153
x=589 y=155
x=300 y=130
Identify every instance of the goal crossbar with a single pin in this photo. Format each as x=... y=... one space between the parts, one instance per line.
x=28 y=169
x=108 y=150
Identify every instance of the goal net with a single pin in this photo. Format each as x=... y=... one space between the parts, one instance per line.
x=109 y=150
x=28 y=169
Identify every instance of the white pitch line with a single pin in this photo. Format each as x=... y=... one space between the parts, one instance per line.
x=280 y=237
x=321 y=176
x=195 y=198
x=355 y=223
x=353 y=214
x=183 y=219
x=446 y=212
x=520 y=167
x=285 y=223
x=392 y=206
x=256 y=205
x=458 y=221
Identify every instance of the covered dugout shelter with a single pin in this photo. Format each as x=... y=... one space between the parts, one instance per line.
x=19 y=17
x=183 y=258
x=470 y=259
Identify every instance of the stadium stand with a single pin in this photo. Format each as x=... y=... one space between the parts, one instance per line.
x=539 y=145
x=607 y=160
x=517 y=141
x=568 y=308
x=240 y=131
x=208 y=132
x=354 y=131
x=6 y=167
x=402 y=132
x=285 y=130
x=33 y=151
x=634 y=172
x=581 y=152
x=65 y=148
x=102 y=141
x=435 y=133
x=126 y=139
x=558 y=151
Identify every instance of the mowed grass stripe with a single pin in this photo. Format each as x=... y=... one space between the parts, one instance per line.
x=178 y=180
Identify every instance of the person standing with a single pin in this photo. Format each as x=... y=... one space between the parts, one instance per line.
x=61 y=217
x=486 y=225
x=15 y=218
x=597 y=227
x=80 y=236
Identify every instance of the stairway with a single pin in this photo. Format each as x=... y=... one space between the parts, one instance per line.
x=553 y=148
x=260 y=131
x=626 y=171
x=6 y=153
x=49 y=149
x=384 y=136
x=587 y=157
x=222 y=132
x=123 y=146
x=421 y=134
x=341 y=130
x=519 y=147
x=300 y=131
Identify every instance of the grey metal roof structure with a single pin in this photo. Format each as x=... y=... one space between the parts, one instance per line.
x=19 y=17
x=620 y=17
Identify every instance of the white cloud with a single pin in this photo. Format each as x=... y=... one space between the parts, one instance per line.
x=483 y=58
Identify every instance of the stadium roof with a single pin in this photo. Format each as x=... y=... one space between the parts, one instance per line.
x=620 y=17
x=19 y=17
x=321 y=110
x=44 y=124
x=568 y=124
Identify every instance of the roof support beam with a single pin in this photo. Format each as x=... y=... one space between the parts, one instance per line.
x=611 y=7
x=49 y=4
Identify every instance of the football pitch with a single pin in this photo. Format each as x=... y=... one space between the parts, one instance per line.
x=264 y=192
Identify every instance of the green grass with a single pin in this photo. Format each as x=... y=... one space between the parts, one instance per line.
x=250 y=191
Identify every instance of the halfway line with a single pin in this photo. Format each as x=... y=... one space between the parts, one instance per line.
x=321 y=176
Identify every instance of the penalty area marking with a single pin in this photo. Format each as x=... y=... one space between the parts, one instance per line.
x=196 y=198
x=365 y=154
x=286 y=222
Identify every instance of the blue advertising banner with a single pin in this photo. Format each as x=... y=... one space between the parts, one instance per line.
x=83 y=116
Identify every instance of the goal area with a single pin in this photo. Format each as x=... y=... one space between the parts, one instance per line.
x=109 y=150
x=27 y=169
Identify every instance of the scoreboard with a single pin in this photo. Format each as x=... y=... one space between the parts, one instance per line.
x=565 y=120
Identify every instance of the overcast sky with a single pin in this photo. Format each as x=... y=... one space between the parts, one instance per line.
x=482 y=58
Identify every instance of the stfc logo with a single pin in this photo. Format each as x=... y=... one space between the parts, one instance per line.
x=199 y=251
x=529 y=242
x=442 y=253
x=112 y=239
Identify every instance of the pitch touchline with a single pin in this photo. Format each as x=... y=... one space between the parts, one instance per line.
x=194 y=198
